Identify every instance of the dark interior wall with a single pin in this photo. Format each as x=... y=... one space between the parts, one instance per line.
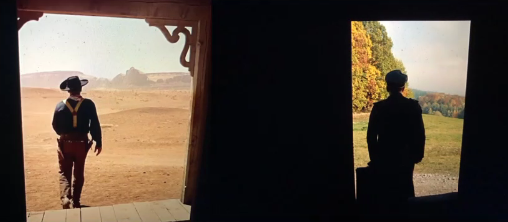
x=483 y=182
x=12 y=175
x=279 y=133
x=280 y=123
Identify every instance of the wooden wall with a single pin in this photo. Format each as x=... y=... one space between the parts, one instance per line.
x=12 y=174
x=168 y=9
x=483 y=179
x=280 y=144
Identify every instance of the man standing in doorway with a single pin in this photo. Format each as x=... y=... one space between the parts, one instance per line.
x=396 y=142
x=74 y=118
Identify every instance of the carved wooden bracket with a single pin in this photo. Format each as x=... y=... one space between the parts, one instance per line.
x=189 y=46
x=25 y=16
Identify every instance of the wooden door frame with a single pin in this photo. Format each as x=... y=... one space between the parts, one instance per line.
x=157 y=13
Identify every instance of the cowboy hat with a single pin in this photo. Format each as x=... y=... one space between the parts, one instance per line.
x=73 y=83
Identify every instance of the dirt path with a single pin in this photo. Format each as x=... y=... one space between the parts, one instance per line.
x=432 y=184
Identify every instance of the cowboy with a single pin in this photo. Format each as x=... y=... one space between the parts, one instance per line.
x=396 y=141
x=74 y=118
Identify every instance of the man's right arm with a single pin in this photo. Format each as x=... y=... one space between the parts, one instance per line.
x=418 y=134
x=372 y=134
x=95 y=126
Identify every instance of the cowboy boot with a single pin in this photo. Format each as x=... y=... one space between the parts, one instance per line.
x=66 y=203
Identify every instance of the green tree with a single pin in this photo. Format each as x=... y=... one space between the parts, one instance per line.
x=461 y=114
x=382 y=56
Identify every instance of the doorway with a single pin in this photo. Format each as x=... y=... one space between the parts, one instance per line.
x=142 y=94
x=434 y=55
x=195 y=55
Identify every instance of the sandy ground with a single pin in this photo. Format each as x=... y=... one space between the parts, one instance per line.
x=145 y=136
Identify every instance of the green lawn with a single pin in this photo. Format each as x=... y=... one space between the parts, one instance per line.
x=442 y=148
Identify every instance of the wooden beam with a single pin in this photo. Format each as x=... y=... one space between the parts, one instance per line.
x=26 y=16
x=170 y=22
x=200 y=84
x=190 y=40
x=175 y=10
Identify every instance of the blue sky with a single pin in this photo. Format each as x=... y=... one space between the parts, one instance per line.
x=434 y=53
x=98 y=46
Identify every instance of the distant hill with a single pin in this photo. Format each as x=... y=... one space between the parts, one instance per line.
x=166 y=75
x=442 y=104
x=418 y=93
x=132 y=78
x=50 y=79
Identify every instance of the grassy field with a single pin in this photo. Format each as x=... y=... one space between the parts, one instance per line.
x=442 y=148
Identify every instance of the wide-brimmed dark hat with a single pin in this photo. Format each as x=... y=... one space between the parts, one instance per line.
x=73 y=83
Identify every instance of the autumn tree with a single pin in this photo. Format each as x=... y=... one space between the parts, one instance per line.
x=367 y=88
x=442 y=104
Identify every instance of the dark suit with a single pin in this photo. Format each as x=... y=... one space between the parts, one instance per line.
x=396 y=141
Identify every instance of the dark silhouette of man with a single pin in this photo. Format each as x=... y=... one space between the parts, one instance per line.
x=396 y=141
x=74 y=117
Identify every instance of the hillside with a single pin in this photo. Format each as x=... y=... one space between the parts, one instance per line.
x=442 y=104
x=132 y=78
x=442 y=147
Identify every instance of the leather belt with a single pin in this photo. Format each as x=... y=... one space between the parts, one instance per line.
x=74 y=141
x=76 y=137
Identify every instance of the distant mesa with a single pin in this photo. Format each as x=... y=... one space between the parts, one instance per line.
x=132 y=78
x=49 y=79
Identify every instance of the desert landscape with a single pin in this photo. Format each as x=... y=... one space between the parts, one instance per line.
x=145 y=132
